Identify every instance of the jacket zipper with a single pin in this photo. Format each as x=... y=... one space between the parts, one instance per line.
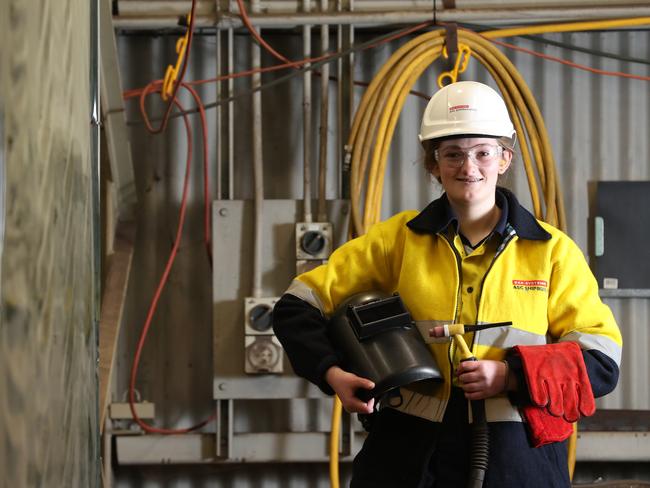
x=500 y=250
x=458 y=298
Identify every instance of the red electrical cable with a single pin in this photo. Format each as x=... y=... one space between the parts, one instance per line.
x=297 y=64
x=135 y=92
x=249 y=25
x=154 y=302
x=570 y=63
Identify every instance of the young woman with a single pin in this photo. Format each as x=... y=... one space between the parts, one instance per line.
x=473 y=256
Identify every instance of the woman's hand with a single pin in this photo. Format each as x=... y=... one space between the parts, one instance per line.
x=345 y=385
x=482 y=379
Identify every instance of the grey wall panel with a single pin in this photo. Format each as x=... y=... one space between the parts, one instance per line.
x=598 y=126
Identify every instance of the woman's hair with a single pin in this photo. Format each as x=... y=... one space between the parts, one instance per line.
x=430 y=147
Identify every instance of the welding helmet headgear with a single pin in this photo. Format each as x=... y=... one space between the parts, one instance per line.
x=378 y=340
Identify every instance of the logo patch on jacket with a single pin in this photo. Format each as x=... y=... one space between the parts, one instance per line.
x=530 y=285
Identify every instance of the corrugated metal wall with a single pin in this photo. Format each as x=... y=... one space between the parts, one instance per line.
x=48 y=340
x=598 y=127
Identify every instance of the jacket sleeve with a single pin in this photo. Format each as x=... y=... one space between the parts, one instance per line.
x=301 y=316
x=367 y=263
x=576 y=313
x=302 y=331
x=602 y=372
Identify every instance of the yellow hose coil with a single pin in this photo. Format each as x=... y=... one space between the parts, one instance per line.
x=382 y=104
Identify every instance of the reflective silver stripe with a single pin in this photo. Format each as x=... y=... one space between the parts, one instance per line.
x=424 y=326
x=499 y=409
x=597 y=342
x=418 y=405
x=300 y=290
x=505 y=337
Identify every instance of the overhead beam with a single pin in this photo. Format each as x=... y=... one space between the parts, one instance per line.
x=133 y=18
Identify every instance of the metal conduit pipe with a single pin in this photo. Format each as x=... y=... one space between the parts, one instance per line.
x=495 y=17
x=225 y=113
x=258 y=169
x=220 y=113
x=324 y=121
x=306 y=115
x=345 y=65
x=231 y=115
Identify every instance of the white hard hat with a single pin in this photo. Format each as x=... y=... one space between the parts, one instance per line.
x=466 y=107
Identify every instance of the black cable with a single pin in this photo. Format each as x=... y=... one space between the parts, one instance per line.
x=360 y=47
x=570 y=47
x=277 y=81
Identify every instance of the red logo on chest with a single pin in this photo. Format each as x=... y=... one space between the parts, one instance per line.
x=530 y=285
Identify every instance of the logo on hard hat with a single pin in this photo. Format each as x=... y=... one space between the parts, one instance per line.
x=459 y=108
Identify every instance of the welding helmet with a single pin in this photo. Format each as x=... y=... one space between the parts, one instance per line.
x=378 y=340
x=467 y=108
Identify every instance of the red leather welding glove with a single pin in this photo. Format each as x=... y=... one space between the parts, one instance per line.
x=557 y=379
x=543 y=428
x=559 y=388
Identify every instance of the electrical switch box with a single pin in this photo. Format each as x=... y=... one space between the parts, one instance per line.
x=620 y=254
x=313 y=240
x=246 y=365
x=263 y=352
x=258 y=315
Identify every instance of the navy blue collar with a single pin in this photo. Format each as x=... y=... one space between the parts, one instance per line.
x=438 y=215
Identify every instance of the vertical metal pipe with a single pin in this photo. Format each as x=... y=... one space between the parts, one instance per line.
x=95 y=214
x=258 y=169
x=107 y=478
x=341 y=137
x=346 y=96
x=306 y=114
x=231 y=116
x=220 y=112
x=324 y=120
x=2 y=187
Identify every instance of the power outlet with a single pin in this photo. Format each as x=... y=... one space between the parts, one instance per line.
x=263 y=354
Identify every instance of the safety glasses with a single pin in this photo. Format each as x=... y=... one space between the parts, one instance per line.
x=482 y=155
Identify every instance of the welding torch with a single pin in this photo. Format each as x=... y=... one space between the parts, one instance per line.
x=480 y=435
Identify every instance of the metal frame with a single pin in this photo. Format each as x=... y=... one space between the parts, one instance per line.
x=275 y=14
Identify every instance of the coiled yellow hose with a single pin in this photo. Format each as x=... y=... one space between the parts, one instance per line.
x=378 y=112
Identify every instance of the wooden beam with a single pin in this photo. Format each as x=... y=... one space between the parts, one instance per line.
x=112 y=308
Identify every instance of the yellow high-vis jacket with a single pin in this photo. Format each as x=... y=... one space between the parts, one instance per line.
x=538 y=279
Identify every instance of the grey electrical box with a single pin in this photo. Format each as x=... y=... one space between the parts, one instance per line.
x=249 y=362
x=620 y=244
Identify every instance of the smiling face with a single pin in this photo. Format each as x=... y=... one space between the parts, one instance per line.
x=468 y=169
